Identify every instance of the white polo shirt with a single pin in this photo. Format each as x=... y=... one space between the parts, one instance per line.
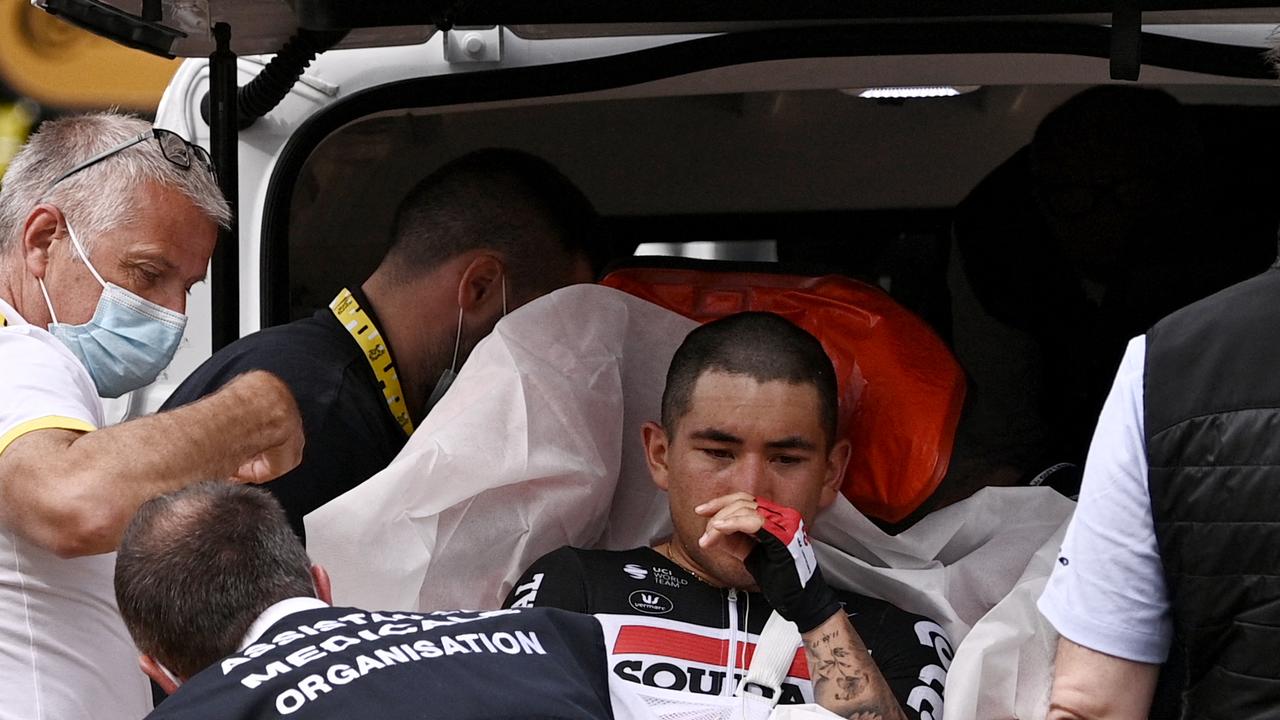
x=1107 y=590
x=64 y=652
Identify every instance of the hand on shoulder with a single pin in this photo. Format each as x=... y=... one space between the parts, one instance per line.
x=266 y=395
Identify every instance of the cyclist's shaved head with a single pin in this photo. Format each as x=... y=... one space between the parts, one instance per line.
x=762 y=346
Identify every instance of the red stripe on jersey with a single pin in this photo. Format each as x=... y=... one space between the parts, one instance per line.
x=641 y=640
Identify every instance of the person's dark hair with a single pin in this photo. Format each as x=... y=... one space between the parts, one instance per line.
x=1147 y=122
x=760 y=345
x=196 y=567
x=500 y=199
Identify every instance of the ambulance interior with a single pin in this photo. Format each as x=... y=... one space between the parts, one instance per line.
x=824 y=178
x=929 y=198
x=804 y=182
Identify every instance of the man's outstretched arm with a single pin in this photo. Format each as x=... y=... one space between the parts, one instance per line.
x=73 y=493
x=1089 y=685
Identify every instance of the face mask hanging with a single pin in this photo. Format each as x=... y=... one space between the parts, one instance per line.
x=449 y=375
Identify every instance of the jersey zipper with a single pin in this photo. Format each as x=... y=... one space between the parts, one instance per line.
x=746 y=632
x=731 y=661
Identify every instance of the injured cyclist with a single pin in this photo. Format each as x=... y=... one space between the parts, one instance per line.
x=748 y=454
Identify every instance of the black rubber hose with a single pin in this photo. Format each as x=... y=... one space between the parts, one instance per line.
x=152 y=10
x=265 y=91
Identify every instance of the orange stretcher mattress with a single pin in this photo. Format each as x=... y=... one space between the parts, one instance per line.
x=901 y=390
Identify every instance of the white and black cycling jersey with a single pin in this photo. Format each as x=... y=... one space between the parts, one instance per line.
x=664 y=628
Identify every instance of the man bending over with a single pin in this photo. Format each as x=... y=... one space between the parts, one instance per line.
x=485 y=233
x=221 y=599
x=748 y=454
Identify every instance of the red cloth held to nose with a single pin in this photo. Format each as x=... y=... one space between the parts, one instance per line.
x=781 y=521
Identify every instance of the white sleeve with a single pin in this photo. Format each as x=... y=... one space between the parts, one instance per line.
x=1107 y=591
x=42 y=387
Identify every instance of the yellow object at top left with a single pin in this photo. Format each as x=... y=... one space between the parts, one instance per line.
x=59 y=65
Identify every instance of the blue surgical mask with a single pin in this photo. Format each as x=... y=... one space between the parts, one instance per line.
x=128 y=341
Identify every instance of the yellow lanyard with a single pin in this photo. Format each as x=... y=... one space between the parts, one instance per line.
x=376 y=353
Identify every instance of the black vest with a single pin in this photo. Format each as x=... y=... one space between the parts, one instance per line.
x=1212 y=416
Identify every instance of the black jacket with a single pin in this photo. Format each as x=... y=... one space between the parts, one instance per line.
x=1212 y=425
x=350 y=664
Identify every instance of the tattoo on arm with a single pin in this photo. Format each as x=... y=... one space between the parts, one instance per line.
x=846 y=680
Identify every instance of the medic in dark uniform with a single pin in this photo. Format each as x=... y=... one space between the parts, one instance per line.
x=234 y=622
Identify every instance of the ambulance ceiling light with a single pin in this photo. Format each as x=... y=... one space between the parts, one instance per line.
x=903 y=92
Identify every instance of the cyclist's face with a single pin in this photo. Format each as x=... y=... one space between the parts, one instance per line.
x=740 y=435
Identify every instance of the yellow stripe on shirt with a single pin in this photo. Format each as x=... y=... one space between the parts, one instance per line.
x=48 y=422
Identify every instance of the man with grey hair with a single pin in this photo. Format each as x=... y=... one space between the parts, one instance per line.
x=105 y=224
